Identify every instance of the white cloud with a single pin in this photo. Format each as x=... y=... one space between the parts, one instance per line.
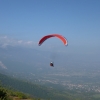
x=5 y=41
x=20 y=41
x=2 y=65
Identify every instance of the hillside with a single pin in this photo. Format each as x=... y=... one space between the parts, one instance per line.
x=38 y=91
x=10 y=94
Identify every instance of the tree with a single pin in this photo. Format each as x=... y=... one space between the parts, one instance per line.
x=3 y=94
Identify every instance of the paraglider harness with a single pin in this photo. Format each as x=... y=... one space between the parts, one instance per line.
x=51 y=64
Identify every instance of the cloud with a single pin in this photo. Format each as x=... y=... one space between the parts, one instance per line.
x=6 y=41
x=2 y=65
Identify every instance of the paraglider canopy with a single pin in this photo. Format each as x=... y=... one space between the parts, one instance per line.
x=63 y=39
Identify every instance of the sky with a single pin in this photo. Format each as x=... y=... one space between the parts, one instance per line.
x=30 y=20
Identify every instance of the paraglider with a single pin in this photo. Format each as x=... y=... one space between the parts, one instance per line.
x=51 y=64
x=62 y=38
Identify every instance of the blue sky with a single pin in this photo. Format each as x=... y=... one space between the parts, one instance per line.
x=77 y=20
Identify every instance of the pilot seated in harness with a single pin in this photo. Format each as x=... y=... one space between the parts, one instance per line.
x=51 y=64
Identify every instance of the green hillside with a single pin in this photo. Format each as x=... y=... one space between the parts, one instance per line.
x=38 y=91
x=9 y=94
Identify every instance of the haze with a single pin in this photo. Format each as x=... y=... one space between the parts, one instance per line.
x=24 y=22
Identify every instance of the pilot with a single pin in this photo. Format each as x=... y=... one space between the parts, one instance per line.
x=51 y=64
